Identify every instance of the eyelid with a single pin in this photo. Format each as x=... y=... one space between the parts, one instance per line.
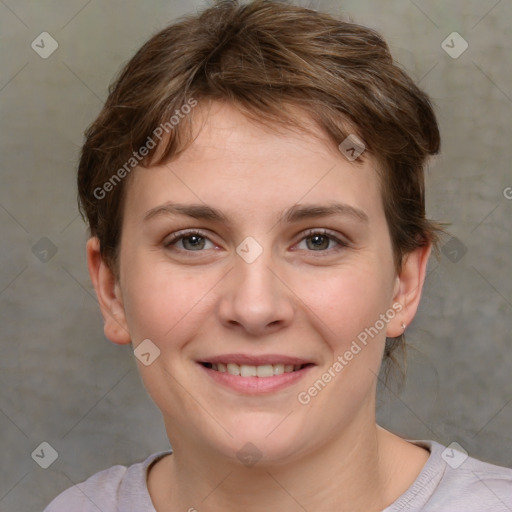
x=342 y=241
x=174 y=237
x=326 y=232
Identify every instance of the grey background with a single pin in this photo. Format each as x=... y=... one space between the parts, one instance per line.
x=62 y=382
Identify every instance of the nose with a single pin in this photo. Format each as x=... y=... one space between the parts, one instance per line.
x=255 y=299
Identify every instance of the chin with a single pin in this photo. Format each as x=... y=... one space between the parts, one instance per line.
x=263 y=439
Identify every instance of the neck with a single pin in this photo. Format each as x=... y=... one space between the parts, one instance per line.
x=355 y=472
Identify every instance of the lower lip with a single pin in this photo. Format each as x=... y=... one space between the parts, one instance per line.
x=256 y=385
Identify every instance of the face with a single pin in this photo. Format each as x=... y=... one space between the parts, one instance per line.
x=265 y=253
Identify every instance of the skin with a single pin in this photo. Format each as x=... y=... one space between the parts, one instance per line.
x=294 y=299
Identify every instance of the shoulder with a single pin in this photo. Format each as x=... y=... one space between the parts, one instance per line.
x=109 y=490
x=99 y=492
x=474 y=485
x=451 y=481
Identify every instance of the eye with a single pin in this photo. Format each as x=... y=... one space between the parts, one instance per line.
x=189 y=241
x=320 y=241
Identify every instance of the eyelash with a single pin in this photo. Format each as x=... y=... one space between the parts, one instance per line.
x=308 y=234
x=176 y=237
x=342 y=244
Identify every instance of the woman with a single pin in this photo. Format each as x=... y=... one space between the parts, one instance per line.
x=255 y=193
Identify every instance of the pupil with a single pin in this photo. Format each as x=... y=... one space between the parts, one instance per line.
x=194 y=242
x=319 y=242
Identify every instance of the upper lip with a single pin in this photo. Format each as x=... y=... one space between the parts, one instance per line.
x=254 y=360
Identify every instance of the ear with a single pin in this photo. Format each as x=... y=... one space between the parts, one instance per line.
x=408 y=288
x=109 y=295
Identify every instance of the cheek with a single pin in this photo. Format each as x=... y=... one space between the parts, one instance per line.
x=165 y=306
x=344 y=303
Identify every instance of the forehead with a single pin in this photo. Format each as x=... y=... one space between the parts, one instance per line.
x=243 y=165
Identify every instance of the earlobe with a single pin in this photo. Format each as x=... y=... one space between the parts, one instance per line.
x=408 y=288
x=108 y=293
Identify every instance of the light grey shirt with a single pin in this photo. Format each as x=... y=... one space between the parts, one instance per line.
x=449 y=482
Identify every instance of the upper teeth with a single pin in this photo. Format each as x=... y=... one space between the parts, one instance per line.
x=265 y=370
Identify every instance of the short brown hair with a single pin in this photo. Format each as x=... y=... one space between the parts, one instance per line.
x=266 y=58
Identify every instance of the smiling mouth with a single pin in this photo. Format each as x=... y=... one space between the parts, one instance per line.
x=245 y=370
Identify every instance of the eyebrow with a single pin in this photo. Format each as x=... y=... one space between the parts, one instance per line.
x=300 y=212
x=294 y=214
x=196 y=211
